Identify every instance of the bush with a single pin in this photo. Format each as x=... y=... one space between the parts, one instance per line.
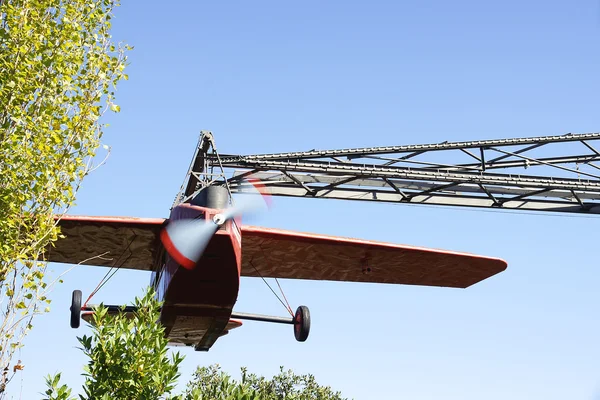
x=128 y=360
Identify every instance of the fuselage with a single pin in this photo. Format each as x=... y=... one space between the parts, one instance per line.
x=197 y=303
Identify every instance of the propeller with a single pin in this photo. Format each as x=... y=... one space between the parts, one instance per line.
x=185 y=240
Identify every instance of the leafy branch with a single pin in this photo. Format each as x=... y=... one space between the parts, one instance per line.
x=59 y=69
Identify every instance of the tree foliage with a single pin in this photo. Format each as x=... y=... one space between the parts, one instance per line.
x=128 y=360
x=58 y=72
x=211 y=383
x=127 y=356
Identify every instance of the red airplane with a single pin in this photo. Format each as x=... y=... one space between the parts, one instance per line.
x=196 y=260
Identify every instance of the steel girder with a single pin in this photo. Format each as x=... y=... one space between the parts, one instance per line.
x=549 y=173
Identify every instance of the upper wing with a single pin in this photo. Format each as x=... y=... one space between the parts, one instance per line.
x=108 y=241
x=286 y=254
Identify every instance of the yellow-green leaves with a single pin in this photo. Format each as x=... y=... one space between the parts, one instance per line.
x=58 y=71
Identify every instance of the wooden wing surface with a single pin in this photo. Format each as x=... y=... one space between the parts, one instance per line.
x=125 y=242
x=294 y=255
x=134 y=243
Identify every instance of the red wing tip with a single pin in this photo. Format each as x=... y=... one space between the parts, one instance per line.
x=173 y=252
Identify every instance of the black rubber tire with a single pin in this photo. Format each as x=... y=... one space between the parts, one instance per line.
x=302 y=323
x=76 y=309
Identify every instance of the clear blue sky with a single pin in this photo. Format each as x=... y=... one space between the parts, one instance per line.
x=272 y=76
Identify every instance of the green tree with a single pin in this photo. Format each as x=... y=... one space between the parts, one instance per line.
x=128 y=360
x=127 y=356
x=58 y=72
x=211 y=383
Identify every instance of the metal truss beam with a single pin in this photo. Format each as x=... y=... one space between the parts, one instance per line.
x=411 y=192
x=549 y=173
x=421 y=148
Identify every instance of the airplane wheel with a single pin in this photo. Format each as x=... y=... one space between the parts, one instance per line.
x=76 y=309
x=302 y=323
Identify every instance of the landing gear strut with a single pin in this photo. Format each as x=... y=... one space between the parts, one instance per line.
x=301 y=321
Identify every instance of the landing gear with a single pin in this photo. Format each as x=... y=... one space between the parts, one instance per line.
x=302 y=323
x=76 y=309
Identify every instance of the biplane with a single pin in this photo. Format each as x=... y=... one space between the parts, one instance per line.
x=197 y=255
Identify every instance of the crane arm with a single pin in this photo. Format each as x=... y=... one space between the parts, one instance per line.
x=550 y=173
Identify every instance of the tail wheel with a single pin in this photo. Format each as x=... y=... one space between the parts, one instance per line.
x=76 y=309
x=302 y=323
